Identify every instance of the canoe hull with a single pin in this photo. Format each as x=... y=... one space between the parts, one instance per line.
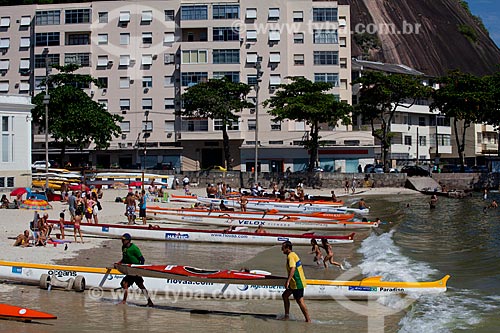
x=12 y=312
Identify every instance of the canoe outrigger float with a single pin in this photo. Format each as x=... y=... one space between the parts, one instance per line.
x=12 y=312
x=204 y=235
x=178 y=285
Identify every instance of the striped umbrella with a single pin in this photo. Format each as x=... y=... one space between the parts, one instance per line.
x=35 y=204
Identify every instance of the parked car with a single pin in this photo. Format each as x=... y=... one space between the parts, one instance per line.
x=370 y=168
x=415 y=170
x=41 y=164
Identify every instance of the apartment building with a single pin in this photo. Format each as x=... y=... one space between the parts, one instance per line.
x=418 y=134
x=146 y=53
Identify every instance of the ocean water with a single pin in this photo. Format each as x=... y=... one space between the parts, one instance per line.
x=414 y=244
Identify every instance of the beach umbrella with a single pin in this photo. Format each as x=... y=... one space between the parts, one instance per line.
x=19 y=191
x=35 y=204
x=135 y=184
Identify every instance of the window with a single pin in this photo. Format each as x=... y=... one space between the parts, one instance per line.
x=422 y=141
x=421 y=121
x=225 y=56
x=169 y=126
x=194 y=57
x=252 y=35
x=147 y=38
x=24 y=64
x=5 y=22
x=226 y=12
x=194 y=12
x=274 y=57
x=147 y=126
x=251 y=124
x=7 y=139
x=252 y=57
x=196 y=125
x=251 y=13
x=168 y=81
x=169 y=58
x=103 y=17
x=408 y=140
x=147 y=16
x=25 y=42
x=169 y=15
x=147 y=81
x=74 y=16
x=82 y=59
x=274 y=36
x=252 y=79
x=24 y=86
x=275 y=125
x=326 y=57
x=124 y=82
x=124 y=39
x=232 y=126
x=332 y=78
x=147 y=60
x=226 y=34
x=4 y=64
x=102 y=61
x=25 y=21
x=124 y=17
x=274 y=14
x=274 y=79
x=191 y=78
x=298 y=16
x=325 y=14
x=125 y=126
x=47 y=39
x=102 y=39
x=78 y=39
x=169 y=103
x=231 y=76
x=40 y=59
x=147 y=104
x=4 y=43
x=39 y=82
x=343 y=42
x=298 y=59
x=124 y=60
x=298 y=38
x=124 y=104
x=325 y=37
x=4 y=86
x=343 y=62
x=103 y=82
x=168 y=38
x=48 y=17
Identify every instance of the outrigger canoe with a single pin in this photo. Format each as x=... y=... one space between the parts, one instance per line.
x=370 y=287
x=190 y=198
x=211 y=236
x=12 y=312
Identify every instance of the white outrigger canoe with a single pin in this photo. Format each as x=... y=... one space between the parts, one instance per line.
x=286 y=207
x=370 y=287
x=211 y=236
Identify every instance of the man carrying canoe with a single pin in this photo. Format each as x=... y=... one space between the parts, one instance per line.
x=132 y=255
x=295 y=283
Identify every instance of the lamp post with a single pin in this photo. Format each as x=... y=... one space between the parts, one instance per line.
x=46 y=101
x=258 y=67
x=146 y=136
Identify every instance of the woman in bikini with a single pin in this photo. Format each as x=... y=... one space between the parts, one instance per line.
x=329 y=254
x=316 y=250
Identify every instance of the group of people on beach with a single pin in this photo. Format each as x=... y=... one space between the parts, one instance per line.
x=131 y=206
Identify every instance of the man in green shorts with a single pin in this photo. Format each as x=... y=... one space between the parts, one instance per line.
x=132 y=255
x=295 y=283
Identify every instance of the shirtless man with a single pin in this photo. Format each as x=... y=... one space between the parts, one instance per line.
x=130 y=208
x=243 y=203
x=23 y=239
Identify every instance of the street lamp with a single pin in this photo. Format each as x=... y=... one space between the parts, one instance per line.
x=258 y=67
x=146 y=136
x=46 y=101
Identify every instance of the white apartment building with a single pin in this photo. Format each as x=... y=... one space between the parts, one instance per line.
x=146 y=53
x=15 y=144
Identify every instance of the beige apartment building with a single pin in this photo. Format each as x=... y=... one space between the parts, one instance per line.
x=146 y=53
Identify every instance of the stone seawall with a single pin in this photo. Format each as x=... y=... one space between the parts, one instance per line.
x=236 y=179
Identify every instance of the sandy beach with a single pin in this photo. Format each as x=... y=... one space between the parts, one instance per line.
x=14 y=221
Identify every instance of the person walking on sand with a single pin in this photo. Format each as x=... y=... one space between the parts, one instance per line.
x=295 y=283
x=243 y=203
x=76 y=227
x=329 y=254
x=61 y=224
x=142 y=206
x=318 y=257
x=130 y=208
x=131 y=254
x=346 y=186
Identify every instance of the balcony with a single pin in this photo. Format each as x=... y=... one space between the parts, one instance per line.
x=194 y=34
x=489 y=148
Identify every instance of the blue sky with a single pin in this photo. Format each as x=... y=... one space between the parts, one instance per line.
x=489 y=11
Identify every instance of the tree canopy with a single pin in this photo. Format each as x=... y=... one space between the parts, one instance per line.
x=303 y=100
x=467 y=99
x=74 y=118
x=218 y=99
x=380 y=96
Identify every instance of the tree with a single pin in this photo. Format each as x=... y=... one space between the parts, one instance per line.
x=303 y=100
x=465 y=98
x=74 y=118
x=380 y=96
x=217 y=99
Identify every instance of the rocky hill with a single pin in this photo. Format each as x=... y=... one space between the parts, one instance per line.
x=448 y=36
